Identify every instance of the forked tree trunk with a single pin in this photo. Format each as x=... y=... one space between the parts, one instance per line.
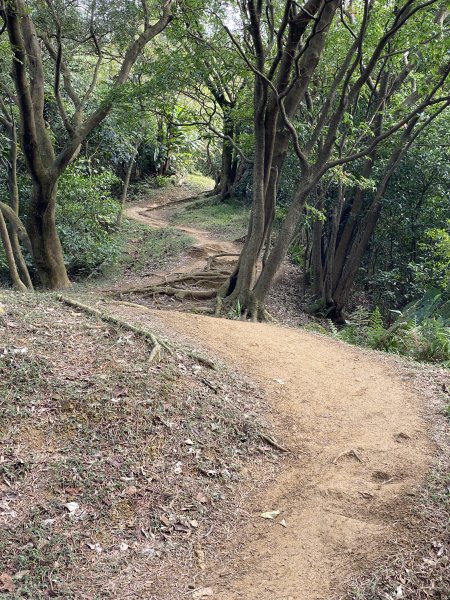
x=41 y=226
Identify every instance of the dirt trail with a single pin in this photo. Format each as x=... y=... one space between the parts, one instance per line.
x=358 y=448
x=157 y=215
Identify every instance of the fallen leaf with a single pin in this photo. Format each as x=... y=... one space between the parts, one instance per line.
x=96 y=547
x=7 y=584
x=202 y=593
x=283 y=523
x=271 y=514
x=72 y=506
x=193 y=523
x=123 y=547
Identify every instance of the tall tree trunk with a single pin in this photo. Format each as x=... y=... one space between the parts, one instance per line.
x=367 y=225
x=316 y=257
x=241 y=283
x=351 y=222
x=227 y=170
x=331 y=249
x=41 y=226
x=13 y=190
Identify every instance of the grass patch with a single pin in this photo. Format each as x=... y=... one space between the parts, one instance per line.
x=228 y=219
x=200 y=181
x=145 y=249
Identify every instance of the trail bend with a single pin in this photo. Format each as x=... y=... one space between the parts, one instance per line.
x=358 y=448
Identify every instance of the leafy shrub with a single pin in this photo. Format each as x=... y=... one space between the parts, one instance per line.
x=163 y=182
x=86 y=216
x=425 y=339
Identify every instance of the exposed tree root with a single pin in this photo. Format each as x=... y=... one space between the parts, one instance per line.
x=347 y=453
x=169 y=285
x=199 y=197
x=246 y=307
x=178 y=293
x=270 y=440
x=157 y=344
x=214 y=257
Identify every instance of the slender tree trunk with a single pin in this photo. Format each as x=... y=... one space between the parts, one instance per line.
x=241 y=283
x=331 y=250
x=351 y=223
x=316 y=258
x=125 y=186
x=13 y=189
x=226 y=172
x=19 y=258
x=278 y=252
x=4 y=236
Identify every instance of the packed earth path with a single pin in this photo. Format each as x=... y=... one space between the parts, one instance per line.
x=357 y=441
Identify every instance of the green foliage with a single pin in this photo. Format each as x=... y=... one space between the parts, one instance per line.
x=418 y=334
x=86 y=218
x=297 y=253
x=435 y=264
x=162 y=181
x=315 y=328
x=375 y=329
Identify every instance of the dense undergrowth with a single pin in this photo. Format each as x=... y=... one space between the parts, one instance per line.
x=421 y=331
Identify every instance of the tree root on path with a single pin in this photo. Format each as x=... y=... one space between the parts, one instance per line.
x=199 y=197
x=214 y=257
x=269 y=440
x=157 y=344
x=347 y=453
x=170 y=286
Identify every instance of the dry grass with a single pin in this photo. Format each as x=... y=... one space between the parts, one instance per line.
x=155 y=458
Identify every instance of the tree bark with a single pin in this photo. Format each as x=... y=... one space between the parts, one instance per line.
x=4 y=236
x=46 y=246
x=11 y=167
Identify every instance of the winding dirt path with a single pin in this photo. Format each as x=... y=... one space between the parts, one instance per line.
x=157 y=214
x=358 y=447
